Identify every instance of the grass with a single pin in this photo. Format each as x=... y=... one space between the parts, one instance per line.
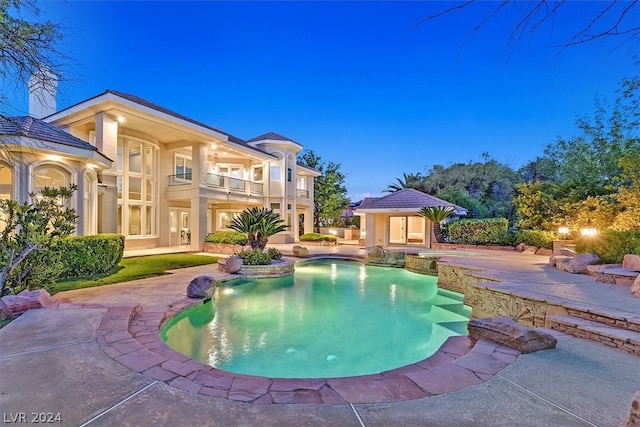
x=133 y=269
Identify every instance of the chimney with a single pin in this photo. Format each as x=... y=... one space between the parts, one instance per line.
x=42 y=93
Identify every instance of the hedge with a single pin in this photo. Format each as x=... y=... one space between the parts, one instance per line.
x=227 y=237
x=88 y=255
x=479 y=231
x=610 y=246
x=538 y=238
x=316 y=237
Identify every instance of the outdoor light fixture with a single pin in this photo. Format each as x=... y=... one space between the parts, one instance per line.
x=564 y=230
x=588 y=230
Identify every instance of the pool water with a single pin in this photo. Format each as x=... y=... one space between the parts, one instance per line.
x=332 y=318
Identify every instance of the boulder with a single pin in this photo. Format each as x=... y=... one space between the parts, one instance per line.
x=506 y=331
x=544 y=251
x=12 y=306
x=635 y=287
x=529 y=250
x=566 y=252
x=520 y=247
x=375 y=252
x=233 y=264
x=579 y=263
x=634 y=413
x=300 y=251
x=631 y=262
x=202 y=287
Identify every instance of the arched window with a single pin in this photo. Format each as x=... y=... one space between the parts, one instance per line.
x=50 y=176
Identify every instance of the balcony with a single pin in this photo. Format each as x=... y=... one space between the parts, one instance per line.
x=302 y=193
x=220 y=182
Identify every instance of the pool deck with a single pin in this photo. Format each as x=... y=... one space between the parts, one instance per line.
x=80 y=360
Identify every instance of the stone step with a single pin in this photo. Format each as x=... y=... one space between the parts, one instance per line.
x=610 y=317
x=608 y=335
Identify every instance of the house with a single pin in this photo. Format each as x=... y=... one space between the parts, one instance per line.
x=394 y=220
x=151 y=174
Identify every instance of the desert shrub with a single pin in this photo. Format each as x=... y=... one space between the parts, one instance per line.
x=255 y=257
x=479 y=231
x=274 y=253
x=227 y=237
x=610 y=246
x=538 y=238
x=316 y=237
x=81 y=256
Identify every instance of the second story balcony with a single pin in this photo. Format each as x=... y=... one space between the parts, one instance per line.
x=220 y=182
x=302 y=193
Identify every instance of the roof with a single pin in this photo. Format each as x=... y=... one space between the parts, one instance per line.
x=30 y=127
x=407 y=198
x=272 y=136
x=143 y=102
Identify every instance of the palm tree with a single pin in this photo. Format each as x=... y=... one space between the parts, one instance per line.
x=259 y=224
x=436 y=214
x=410 y=181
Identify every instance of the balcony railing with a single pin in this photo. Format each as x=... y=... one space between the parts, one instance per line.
x=302 y=193
x=221 y=182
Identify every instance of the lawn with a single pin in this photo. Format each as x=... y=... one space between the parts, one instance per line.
x=132 y=269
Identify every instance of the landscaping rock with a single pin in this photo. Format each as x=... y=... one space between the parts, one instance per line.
x=202 y=287
x=544 y=251
x=579 y=263
x=300 y=251
x=233 y=264
x=520 y=247
x=506 y=331
x=376 y=252
x=530 y=250
x=631 y=262
x=634 y=414
x=12 y=306
x=635 y=287
x=567 y=252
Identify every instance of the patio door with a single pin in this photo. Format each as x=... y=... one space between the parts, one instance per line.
x=179 y=227
x=398 y=230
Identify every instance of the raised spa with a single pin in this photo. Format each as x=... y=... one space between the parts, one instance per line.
x=332 y=318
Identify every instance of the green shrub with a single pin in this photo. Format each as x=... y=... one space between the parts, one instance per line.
x=255 y=257
x=274 y=253
x=81 y=256
x=479 y=231
x=610 y=246
x=538 y=238
x=227 y=237
x=316 y=237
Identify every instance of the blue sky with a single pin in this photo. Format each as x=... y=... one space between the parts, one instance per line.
x=349 y=80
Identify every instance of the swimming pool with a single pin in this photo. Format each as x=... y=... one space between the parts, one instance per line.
x=332 y=318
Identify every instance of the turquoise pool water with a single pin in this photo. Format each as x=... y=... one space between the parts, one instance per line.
x=332 y=318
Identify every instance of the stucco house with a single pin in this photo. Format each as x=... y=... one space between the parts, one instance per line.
x=394 y=220
x=151 y=174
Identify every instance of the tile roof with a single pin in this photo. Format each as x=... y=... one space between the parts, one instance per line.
x=141 y=101
x=272 y=136
x=30 y=127
x=407 y=198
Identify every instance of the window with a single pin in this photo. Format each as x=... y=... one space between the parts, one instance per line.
x=230 y=171
x=6 y=182
x=183 y=167
x=275 y=173
x=50 y=176
x=289 y=172
x=224 y=218
x=136 y=186
x=89 y=203
x=257 y=175
x=275 y=206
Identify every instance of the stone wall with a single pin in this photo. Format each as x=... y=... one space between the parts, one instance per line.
x=223 y=248
x=490 y=302
x=277 y=268
x=421 y=264
x=456 y=278
x=455 y=246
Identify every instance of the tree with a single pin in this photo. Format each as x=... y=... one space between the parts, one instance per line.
x=259 y=224
x=30 y=232
x=407 y=181
x=330 y=193
x=436 y=214
x=27 y=47
x=614 y=19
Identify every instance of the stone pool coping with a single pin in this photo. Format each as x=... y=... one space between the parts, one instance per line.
x=130 y=335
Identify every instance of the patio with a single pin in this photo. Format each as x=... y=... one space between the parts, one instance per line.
x=53 y=362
